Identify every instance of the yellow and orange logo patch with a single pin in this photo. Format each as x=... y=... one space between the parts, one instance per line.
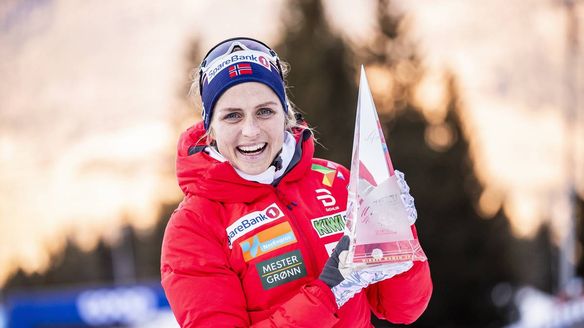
x=329 y=174
x=268 y=240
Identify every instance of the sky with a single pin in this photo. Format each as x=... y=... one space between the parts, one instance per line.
x=90 y=106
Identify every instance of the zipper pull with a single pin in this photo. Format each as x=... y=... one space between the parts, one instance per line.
x=291 y=205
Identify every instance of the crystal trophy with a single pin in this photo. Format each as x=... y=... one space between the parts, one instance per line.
x=377 y=221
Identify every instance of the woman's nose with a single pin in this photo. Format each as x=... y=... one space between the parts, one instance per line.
x=250 y=127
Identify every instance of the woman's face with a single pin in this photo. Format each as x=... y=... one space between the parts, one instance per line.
x=248 y=126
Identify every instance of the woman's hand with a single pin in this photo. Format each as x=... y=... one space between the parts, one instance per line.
x=345 y=281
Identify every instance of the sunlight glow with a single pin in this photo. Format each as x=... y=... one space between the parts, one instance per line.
x=381 y=82
x=95 y=182
x=440 y=137
x=88 y=99
x=431 y=96
x=490 y=202
x=526 y=213
x=88 y=117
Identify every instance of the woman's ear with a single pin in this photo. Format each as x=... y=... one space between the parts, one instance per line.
x=210 y=136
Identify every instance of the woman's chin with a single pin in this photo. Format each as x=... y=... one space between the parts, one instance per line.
x=254 y=164
x=253 y=171
x=252 y=168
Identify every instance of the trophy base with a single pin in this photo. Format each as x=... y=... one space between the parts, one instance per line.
x=388 y=252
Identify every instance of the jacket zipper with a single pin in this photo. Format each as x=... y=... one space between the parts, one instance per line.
x=289 y=205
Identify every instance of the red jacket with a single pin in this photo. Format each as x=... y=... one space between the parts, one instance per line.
x=238 y=253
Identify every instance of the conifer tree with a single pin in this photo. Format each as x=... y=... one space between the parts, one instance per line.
x=322 y=77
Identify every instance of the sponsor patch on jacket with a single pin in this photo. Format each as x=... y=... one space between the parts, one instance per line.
x=252 y=221
x=281 y=269
x=330 y=224
x=268 y=240
x=328 y=174
x=326 y=198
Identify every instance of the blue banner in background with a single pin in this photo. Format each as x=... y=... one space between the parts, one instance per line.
x=127 y=305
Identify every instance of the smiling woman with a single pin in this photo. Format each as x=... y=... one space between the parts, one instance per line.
x=248 y=222
x=248 y=127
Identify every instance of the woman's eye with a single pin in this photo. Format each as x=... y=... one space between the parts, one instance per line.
x=232 y=116
x=265 y=112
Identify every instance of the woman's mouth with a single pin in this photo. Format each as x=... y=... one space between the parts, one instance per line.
x=252 y=150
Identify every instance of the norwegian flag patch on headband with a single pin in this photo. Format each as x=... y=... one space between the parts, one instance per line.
x=240 y=69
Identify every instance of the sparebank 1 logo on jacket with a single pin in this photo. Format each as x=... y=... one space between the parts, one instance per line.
x=252 y=221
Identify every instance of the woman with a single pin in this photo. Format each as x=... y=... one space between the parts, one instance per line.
x=252 y=242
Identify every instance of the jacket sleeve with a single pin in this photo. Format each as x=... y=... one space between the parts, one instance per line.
x=403 y=298
x=203 y=290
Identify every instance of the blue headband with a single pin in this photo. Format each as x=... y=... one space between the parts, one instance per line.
x=235 y=68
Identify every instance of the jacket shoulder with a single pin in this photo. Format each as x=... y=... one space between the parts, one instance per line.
x=198 y=216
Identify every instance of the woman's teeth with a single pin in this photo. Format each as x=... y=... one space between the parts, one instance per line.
x=252 y=149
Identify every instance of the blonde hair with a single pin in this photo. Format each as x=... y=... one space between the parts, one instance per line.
x=291 y=120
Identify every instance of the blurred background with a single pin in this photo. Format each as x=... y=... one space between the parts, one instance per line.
x=481 y=104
